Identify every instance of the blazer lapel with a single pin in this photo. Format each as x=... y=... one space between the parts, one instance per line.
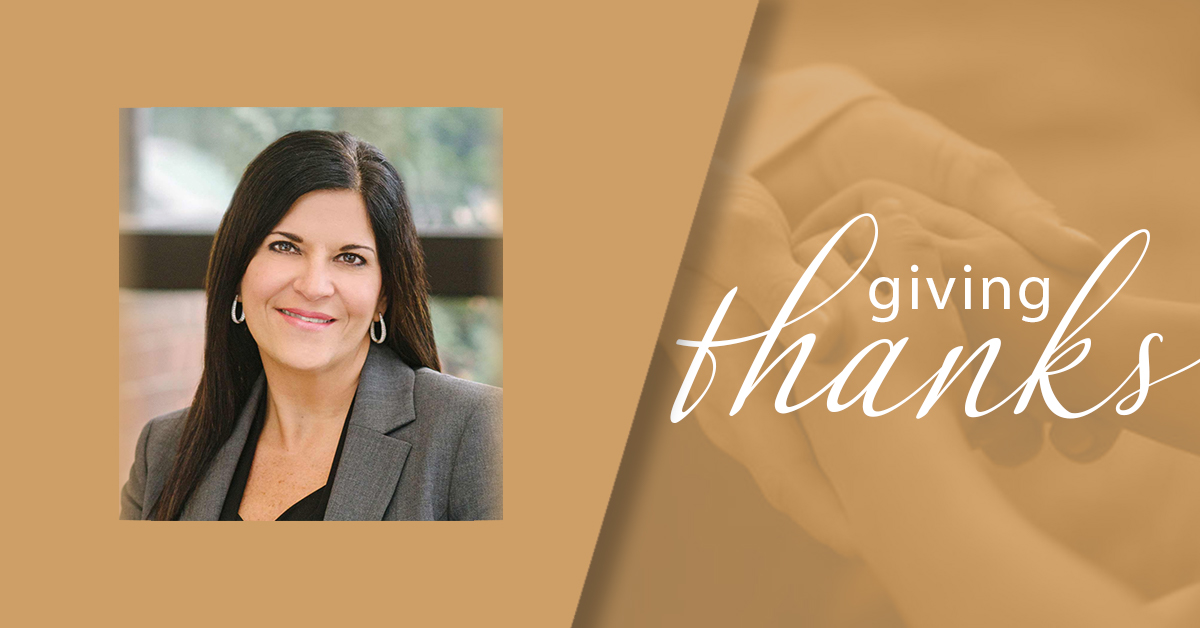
x=371 y=460
x=208 y=498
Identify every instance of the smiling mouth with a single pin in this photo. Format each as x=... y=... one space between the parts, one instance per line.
x=306 y=318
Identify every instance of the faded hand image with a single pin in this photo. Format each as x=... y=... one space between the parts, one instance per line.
x=968 y=396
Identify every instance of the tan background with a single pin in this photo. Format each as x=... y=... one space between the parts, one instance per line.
x=611 y=112
x=1097 y=105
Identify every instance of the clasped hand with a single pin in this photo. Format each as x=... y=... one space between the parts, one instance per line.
x=965 y=207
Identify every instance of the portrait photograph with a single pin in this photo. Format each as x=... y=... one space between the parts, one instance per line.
x=310 y=314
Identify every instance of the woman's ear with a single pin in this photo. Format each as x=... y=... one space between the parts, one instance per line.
x=383 y=303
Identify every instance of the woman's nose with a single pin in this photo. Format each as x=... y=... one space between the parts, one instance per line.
x=314 y=281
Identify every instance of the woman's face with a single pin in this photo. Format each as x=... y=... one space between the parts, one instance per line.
x=314 y=285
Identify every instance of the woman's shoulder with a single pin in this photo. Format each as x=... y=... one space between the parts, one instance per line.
x=153 y=457
x=434 y=388
x=463 y=423
x=161 y=435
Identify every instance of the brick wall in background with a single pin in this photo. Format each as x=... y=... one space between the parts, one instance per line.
x=160 y=353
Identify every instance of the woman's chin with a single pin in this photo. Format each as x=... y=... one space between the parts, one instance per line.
x=312 y=359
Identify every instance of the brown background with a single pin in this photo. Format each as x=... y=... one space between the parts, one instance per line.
x=611 y=112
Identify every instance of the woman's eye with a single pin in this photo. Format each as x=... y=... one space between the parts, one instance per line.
x=283 y=246
x=352 y=259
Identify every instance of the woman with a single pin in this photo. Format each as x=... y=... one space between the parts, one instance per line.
x=320 y=397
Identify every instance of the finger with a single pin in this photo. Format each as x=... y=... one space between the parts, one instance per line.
x=859 y=198
x=985 y=184
x=886 y=140
x=903 y=243
x=833 y=270
x=1007 y=439
x=860 y=240
x=1084 y=439
x=955 y=233
x=937 y=218
x=773 y=447
x=843 y=206
x=743 y=241
x=906 y=242
x=841 y=246
x=1057 y=245
x=771 y=274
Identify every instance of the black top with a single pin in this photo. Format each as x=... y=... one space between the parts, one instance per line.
x=311 y=507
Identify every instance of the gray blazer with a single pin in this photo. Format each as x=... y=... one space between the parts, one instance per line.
x=420 y=445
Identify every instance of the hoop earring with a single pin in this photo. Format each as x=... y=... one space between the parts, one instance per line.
x=234 y=313
x=382 y=331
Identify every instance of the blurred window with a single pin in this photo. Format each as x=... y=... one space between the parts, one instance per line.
x=186 y=162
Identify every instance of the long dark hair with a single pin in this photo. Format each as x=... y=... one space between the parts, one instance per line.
x=292 y=166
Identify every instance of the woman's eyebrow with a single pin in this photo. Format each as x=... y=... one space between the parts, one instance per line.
x=291 y=236
x=351 y=247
